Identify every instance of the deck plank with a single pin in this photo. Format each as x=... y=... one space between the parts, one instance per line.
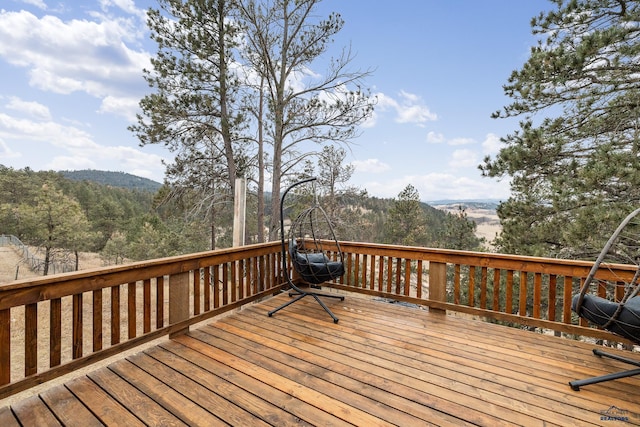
x=361 y=396
x=301 y=409
x=67 y=408
x=382 y=364
x=322 y=401
x=223 y=408
x=101 y=404
x=7 y=419
x=145 y=408
x=163 y=394
x=33 y=412
x=220 y=388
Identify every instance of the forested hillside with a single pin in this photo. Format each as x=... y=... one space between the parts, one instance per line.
x=64 y=217
x=113 y=179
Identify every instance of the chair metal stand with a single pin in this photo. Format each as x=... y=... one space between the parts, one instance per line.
x=301 y=294
x=575 y=385
x=296 y=291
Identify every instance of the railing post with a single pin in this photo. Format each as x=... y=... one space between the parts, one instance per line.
x=178 y=300
x=437 y=284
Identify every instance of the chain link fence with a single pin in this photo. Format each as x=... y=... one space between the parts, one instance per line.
x=35 y=261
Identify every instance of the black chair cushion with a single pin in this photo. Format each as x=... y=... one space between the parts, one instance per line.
x=314 y=268
x=599 y=311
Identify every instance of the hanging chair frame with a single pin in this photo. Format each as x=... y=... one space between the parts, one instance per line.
x=297 y=291
x=632 y=289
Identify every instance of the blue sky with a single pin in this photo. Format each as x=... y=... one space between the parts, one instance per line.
x=71 y=82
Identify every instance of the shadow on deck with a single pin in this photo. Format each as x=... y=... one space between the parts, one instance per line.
x=382 y=364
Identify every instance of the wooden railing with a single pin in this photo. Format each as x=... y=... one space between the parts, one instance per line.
x=53 y=325
x=527 y=291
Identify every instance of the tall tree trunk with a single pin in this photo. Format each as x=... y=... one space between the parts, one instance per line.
x=261 y=162
x=224 y=99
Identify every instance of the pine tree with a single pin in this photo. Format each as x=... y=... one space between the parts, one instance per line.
x=574 y=164
x=406 y=222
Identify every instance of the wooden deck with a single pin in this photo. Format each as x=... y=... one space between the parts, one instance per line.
x=382 y=364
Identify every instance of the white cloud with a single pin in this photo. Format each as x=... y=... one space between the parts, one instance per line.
x=370 y=165
x=461 y=141
x=67 y=137
x=76 y=55
x=31 y=108
x=70 y=163
x=74 y=147
x=6 y=152
x=435 y=138
x=491 y=144
x=125 y=107
x=439 y=186
x=412 y=110
x=127 y=6
x=40 y=4
x=438 y=138
x=463 y=158
x=409 y=108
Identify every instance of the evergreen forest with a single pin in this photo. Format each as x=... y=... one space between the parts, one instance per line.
x=114 y=217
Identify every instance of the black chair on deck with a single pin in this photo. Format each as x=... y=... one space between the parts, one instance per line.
x=619 y=312
x=311 y=240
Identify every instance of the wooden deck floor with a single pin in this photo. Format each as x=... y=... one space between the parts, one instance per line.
x=382 y=364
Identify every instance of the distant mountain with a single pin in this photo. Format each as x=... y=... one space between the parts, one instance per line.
x=113 y=179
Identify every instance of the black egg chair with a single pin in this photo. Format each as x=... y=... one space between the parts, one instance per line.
x=314 y=253
x=620 y=313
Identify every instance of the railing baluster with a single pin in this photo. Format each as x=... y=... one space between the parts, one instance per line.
x=566 y=299
x=364 y=272
x=438 y=283
x=496 y=289
x=262 y=271
x=234 y=283
x=472 y=286
x=271 y=272
x=30 y=339
x=407 y=277
x=225 y=284
x=389 y=274
x=551 y=314
x=55 y=332
x=77 y=323
x=241 y=279
x=380 y=273
x=115 y=315
x=131 y=310
x=522 y=295
x=146 y=305
x=537 y=294
x=5 y=346
x=456 y=283
x=398 y=281
x=216 y=286
x=509 y=293
x=419 y=277
x=97 y=320
x=159 y=302
x=483 y=287
x=196 y=292
x=249 y=269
